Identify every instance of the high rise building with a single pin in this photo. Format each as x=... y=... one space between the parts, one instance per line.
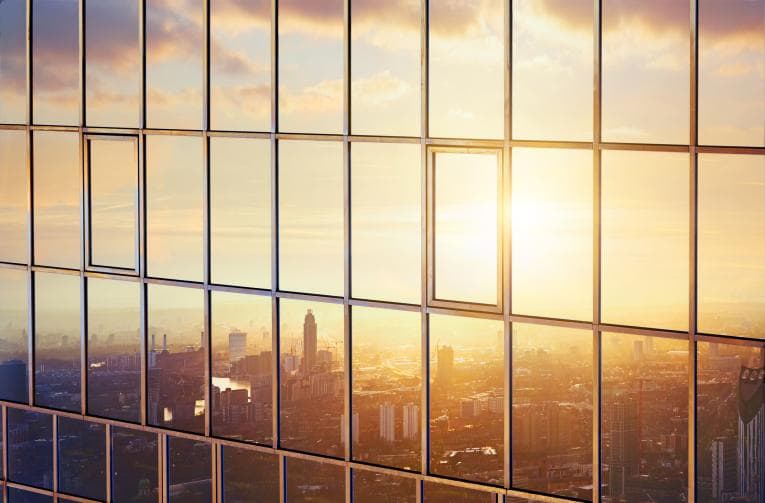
x=388 y=422
x=751 y=433
x=724 y=480
x=237 y=346
x=411 y=419
x=624 y=460
x=445 y=368
x=309 y=342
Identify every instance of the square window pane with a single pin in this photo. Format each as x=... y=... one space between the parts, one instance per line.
x=311 y=66
x=467 y=396
x=466 y=239
x=466 y=69
x=311 y=256
x=56 y=199
x=240 y=65
x=373 y=487
x=387 y=364
x=14 y=352
x=134 y=466
x=552 y=69
x=189 y=466
x=14 y=190
x=434 y=492
x=242 y=367
x=81 y=458
x=175 y=377
x=57 y=341
x=731 y=245
x=312 y=377
x=13 y=63
x=112 y=63
x=731 y=52
x=174 y=70
x=645 y=226
x=30 y=448
x=114 y=349
x=240 y=211
x=174 y=207
x=385 y=67
x=646 y=71
x=113 y=192
x=312 y=481
x=386 y=222
x=56 y=62
x=552 y=211
x=20 y=496
x=249 y=476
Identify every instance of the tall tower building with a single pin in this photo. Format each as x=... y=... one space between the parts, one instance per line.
x=751 y=433
x=388 y=422
x=445 y=368
x=724 y=480
x=411 y=421
x=309 y=342
x=624 y=461
x=237 y=345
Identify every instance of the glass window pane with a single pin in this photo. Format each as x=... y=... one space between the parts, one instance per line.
x=466 y=207
x=240 y=211
x=176 y=371
x=30 y=448
x=134 y=466
x=466 y=69
x=552 y=211
x=311 y=217
x=249 y=476
x=729 y=421
x=646 y=71
x=731 y=52
x=467 y=398
x=20 y=496
x=372 y=487
x=387 y=362
x=645 y=225
x=385 y=222
x=56 y=62
x=385 y=67
x=113 y=186
x=312 y=377
x=14 y=190
x=434 y=492
x=13 y=63
x=114 y=349
x=174 y=70
x=57 y=341
x=81 y=458
x=311 y=66
x=189 y=466
x=644 y=427
x=552 y=410
x=311 y=481
x=731 y=241
x=56 y=194
x=240 y=65
x=552 y=69
x=112 y=63
x=14 y=352
x=174 y=207
x=242 y=367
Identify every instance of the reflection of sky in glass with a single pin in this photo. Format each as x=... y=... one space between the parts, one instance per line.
x=13 y=64
x=14 y=186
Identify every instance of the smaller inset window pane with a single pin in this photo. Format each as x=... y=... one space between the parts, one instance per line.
x=81 y=458
x=189 y=465
x=20 y=496
x=373 y=487
x=13 y=63
x=30 y=448
x=134 y=466
x=312 y=481
x=249 y=476
x=14 y=187
x=434 y=492
x=14 y=352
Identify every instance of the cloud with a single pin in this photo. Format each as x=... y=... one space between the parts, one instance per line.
x=380 y=88
x=324 y=96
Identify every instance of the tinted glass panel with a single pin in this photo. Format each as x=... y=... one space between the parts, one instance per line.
x=240 y=211
x=242 y=367
x=21 y=496
x=552 y=208
x=113 y=180
x=134 y=466
x=385 y=67
x=174 y=207
x=466 y=67
x=371 y=487
x=57 y=341
x=441 y=493
x=30 y=448
x=249 y=476
x=176 y=368
x=112 y=63
x=552 y=69
x=13 y=62
x=731 y=244
x=14 y=187
x=645 y=222
x=57 y=187
x=467 y=398
x=312 y=377
x=311 y=217
x=385 y=221
x=387 y=364
x=310 y=481
x=240 y=65
x=81 y=458
x=14 y=352
x=55 y=62
x=189 y=465
x=114 y=349
x=311 y=66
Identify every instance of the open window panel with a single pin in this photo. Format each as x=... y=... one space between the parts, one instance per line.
x=112 y=203
x=465 y=228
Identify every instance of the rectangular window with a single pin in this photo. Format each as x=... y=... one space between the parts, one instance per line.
x=13 y=63
x=189 y=465
x=312 y=481
x=20 y=496
x=81 y=458
x=247 y=473
x=134 y=466
x=113 y=201
x=14 y=352
x=14 y=190
x=433 y=492
x=30 y=448
x=374 y=487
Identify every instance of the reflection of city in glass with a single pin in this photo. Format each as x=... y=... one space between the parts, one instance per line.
x=189 y=465
x=311 y=481
x=14 y=352
x=81 y=458
x=246 y=473
x=134 y=466
x=30 y=448
x=371 y=487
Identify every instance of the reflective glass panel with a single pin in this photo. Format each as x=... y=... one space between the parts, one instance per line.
x=189 y=465
x=81 y=458
x=311 y=481
x=134 y=466
x=372 y=487
x=14 y=350
x=13 y=62
x=30 y=448
x=249 y=476
x=21 y=496
x=434 y=492
x=14 y=187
